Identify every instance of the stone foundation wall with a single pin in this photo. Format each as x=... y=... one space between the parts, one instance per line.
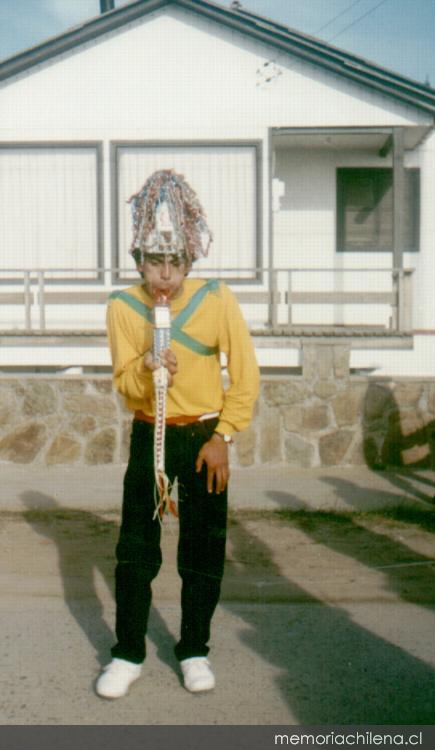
x=325 y=417
x=329 y=418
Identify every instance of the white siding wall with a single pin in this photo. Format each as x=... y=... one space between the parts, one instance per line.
x=305 y=235
x=173 y=76
x=424 y=284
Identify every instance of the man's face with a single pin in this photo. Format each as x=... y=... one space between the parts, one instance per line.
x=163 y=275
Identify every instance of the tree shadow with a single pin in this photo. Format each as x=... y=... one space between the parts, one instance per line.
x=386 y=445
x=331 y=669
x=85 y=544
x=409 y=574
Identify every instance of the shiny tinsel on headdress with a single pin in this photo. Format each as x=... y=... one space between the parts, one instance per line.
x=168 y=218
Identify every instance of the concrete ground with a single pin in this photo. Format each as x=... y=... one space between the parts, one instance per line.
x=327 y=612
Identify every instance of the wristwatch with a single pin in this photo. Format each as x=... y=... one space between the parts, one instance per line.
x=226 y=438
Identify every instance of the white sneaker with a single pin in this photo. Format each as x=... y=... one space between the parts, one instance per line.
x=117 y=678
x=197 y=674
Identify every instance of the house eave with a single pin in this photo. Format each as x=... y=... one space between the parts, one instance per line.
x=262 y=29
x=77 y=36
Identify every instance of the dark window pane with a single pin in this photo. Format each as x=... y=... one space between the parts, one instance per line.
x=365 y=209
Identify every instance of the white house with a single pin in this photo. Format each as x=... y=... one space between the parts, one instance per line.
x=316 y=169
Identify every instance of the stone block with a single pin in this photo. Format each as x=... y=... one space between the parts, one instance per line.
x=309 y=362
x=409 y=440
x=390 y=439
x=281 y=394
x=347 y=406
x=333 y=447
x=372 y=447
x=73 y=385
x=18 y=388
x=8 y=408
x=357 y=455
x=317 y=361
x=245 y=446
x=315 y=417
x=102 y=386
x=63 y=450
x=431 y=398
x=408 y=393
x=23 y=444
x=100 y=449
x=85 y=404
x=83 y=425
x=413 y=426
x=324 y=389
x=341 y=354
x=417 y=455
x=120 y=404
x=40 y=399
x=125 y=440
x=292 y=416
x=299 y=452
x=269 y=432
x=325 y=362
x=379 y=403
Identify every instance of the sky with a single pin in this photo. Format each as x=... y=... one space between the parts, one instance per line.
x=396 y=34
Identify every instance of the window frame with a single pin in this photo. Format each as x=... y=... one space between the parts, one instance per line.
x=97 y=147
x=414 y=210
x=115 y=151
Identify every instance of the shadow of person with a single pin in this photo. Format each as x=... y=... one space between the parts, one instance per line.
x=85 y=544
x=331 y=670
x=388 y=445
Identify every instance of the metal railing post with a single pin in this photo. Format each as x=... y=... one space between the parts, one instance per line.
x=27 y=301
x=271 y=289
x=273 y=306
x=395 y=317
x=289 y=298
x=405 y=300
x=400 y=301
x=404 y=294
x=41 y=300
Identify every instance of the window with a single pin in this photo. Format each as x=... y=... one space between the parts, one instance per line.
x=226 y=180
x=49 y=208
x=365 y=210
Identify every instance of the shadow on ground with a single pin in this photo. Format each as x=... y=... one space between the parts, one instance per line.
x=329 y=669
x=85 y=544
x=332 y=670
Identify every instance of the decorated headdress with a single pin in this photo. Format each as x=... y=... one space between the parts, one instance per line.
x=168 y=219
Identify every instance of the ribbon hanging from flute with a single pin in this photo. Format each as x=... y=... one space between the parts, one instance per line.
x=161 y=341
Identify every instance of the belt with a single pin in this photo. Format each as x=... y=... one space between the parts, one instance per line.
x=180 y=421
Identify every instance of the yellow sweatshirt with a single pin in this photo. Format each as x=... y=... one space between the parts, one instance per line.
x=197 y=387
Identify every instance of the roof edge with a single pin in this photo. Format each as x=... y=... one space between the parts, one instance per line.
x=320 y=53
x=80 y=34
x=336 y=51
x=263 y=29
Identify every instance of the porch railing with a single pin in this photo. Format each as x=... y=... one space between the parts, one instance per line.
x=275 y=297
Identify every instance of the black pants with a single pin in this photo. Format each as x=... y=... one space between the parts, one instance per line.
x=201 y=545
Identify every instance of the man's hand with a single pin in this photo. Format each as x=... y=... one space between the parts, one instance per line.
x=215 y=454
x=167 y=359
